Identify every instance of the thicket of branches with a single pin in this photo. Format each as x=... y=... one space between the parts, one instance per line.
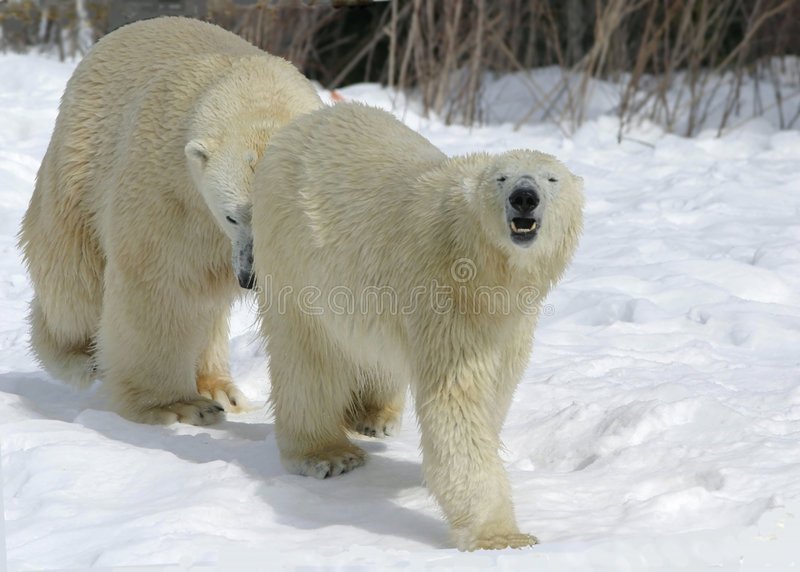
x=672 y=58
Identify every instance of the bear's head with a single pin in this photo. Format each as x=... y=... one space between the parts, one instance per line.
x=528 y=203
x=222 y=168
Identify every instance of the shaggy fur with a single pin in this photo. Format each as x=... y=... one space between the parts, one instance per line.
x=142 y=210
x=378 y=259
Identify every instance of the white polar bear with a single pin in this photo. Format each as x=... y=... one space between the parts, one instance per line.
x=381 y=262
x=141 y=213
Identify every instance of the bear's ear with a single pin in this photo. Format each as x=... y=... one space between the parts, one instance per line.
x=198 y=151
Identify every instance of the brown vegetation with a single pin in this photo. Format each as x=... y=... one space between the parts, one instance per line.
x=700 y=50
x=673 y=59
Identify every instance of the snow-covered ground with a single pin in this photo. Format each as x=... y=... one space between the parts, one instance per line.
x=657 y=425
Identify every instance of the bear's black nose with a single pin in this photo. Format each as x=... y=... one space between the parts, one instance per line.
x=524 y=200
x=247 y=280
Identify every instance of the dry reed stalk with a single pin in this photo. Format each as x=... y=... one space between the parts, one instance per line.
x=678 y=62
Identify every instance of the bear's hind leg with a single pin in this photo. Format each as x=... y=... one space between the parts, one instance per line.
x=378 y=404
x=69 y=359
x=312 y=387
x=66 y=269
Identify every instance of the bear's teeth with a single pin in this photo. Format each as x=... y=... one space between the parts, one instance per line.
x=523 y=230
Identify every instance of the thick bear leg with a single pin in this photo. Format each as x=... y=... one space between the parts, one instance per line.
x=66 y=269
x=213 y=375
x=67 y=357
x=455 y=404
x=147 y=352
x=513 y=361
x=312 y=387
x=377 y=407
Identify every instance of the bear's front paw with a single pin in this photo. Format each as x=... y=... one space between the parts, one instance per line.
x=490 y=540
x=222 y=390
x=328 y=463
x=199 y=411
x=383 y=422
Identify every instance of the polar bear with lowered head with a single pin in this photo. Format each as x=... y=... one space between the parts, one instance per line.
x=382 y=263
x=139 y=224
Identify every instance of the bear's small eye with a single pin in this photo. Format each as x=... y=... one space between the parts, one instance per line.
x=552 y=179
x=501 y=179
x=231 y=220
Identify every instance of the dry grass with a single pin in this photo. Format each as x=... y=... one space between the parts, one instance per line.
x=702 y=51
x=680 y=63
x=51 y=25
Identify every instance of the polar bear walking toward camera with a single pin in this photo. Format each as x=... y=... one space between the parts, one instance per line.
x=139 y=225
x=382 y=263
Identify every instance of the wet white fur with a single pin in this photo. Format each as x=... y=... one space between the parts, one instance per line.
x=126 y=237
x=347 y=200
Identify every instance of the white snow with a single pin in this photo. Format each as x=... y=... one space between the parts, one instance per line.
x=657 y=425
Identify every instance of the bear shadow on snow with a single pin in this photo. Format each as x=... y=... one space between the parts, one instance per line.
x=361 y=499
x=45 y=398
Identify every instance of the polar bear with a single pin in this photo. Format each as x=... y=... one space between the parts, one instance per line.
x=381 y=263
x=139 y=224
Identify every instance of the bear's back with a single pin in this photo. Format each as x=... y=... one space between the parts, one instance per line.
x=344 y=163
x=175 y=55
x=169 y=41
x=352 y=146
x=135 y=91
x=373 y=135
x=338 y=181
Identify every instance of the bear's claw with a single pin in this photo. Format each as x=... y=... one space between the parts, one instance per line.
x=199 y=411
x=498 y=541
x=223 y=391
x=331 y=463
x=383 y=422
x=377 y=430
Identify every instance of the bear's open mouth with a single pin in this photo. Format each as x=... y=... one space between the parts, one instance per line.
x=523 y=229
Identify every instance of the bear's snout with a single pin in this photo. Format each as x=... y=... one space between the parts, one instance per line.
x=523 y=200
x=522 y=203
